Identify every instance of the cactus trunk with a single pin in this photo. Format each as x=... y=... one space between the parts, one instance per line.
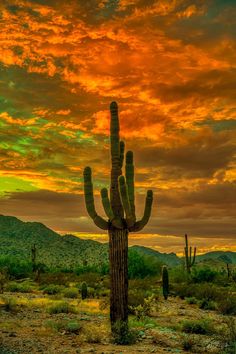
x=118 y=256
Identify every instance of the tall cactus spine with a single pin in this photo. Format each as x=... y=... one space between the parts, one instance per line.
x=189 y=258
x=119 y=208
x=165 y=282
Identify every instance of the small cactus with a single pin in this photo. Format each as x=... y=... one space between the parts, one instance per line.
x=84 y=290
x=189 y=260
x=165 y=282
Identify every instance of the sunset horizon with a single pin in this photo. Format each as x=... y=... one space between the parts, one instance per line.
x=170 y=65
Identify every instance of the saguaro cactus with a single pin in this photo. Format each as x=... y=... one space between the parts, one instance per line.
x=120 y=211
x=165 y=282
x=189 y=260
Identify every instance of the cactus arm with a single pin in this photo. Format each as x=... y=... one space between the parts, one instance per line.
x=125 y=201
x=190 y=255
x=129 y=175
x=108 y=210
x=89 y=200
x=122 y=151
x=194 y=256
x=115 y=162
x=139 y=225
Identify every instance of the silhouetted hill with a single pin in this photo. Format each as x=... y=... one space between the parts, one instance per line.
x=223 y=256
x=169 y=259
x=17 y=238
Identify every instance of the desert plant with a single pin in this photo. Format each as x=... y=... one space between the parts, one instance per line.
x=71 y=293
x=73 y=327
x=52 y=289
x=4 y=277
x=197 y=327
x=84 y=290
x=121 y=201
x=165 y=282
x=189 y=260
x=145 y=309
x=61 y=307
x=9 y=304
x=191 y=300
x=227 y=305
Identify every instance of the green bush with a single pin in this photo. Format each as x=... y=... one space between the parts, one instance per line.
x=197 y=327
x=73 y=327
x=202 y=275
x=71 y=293
x=19 y=287
x=140 y=266
x=16 y=268
x=61 y=307
x=122 y=335
x=52 y=289
x=191 y=300
x=207 y=304
x=9 y=304
x=227 y=305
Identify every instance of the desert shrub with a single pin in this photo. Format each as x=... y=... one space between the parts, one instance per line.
x=146 y=309
x=178 y=275
x=65 y=326
x=230 y=337
x=4 y=277
x=92 y=279
x=61 y=307
x=202 y=275
x=73 y=327
x=19 y=287
x=140 y=266
x=71 y=293
x=197 y=327
x=93 y=334
x=184 y=290
x=136 y=297
x=188 y=344
x=227 y=305
x=122 y=335
x=16 y=268
x=191 y=300
x=52 y=289
x=208 y=292
x=207 y=304
x=9 y=304
x=57 y=278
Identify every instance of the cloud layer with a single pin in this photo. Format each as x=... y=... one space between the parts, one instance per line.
x=171 y=67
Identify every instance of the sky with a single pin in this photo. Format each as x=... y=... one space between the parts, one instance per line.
x=170 y=65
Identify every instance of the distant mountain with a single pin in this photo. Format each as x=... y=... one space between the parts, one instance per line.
x=223 y=256
x=17 y=238
x=169 y=259
x=68 y=251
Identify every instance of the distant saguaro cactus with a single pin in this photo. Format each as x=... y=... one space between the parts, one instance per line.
x=189 y=260
x=120 y=211
x=84 y=290
x=165 y=282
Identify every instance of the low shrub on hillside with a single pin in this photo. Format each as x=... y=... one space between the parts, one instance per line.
x=52 y=289
x=61 y=307
x=140 y=266
x=16 y=268
x=202 y=275
x=19 y=287
x=227 y=305
x=197 y=327
x=71 y=293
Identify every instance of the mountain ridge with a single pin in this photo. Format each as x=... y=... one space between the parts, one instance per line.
x=55 y=250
